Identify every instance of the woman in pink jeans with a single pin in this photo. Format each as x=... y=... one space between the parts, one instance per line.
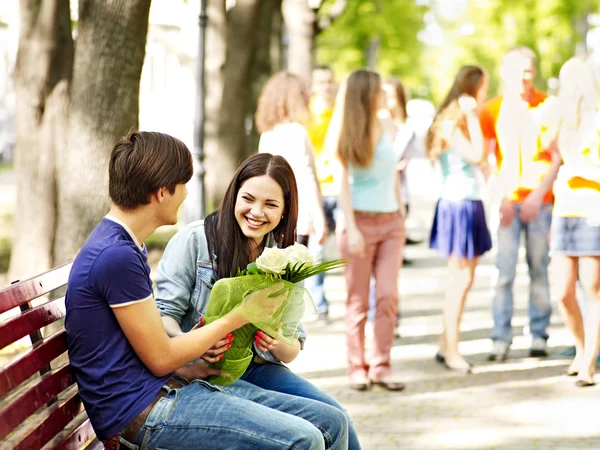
x=371 y=233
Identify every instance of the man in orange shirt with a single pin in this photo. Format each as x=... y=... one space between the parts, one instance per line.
x=526 y=170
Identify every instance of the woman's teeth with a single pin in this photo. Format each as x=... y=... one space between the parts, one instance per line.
x=256 y=223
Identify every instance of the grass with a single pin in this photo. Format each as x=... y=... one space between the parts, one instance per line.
x=5 y=166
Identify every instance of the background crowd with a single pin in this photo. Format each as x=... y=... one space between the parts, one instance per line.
x=531 y=160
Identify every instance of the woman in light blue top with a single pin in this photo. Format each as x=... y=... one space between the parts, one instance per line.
x=459 y=230
x=371 y=233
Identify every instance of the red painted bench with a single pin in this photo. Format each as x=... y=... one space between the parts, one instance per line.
x=39 y=403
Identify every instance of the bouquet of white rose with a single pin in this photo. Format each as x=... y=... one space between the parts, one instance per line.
x=281 y=304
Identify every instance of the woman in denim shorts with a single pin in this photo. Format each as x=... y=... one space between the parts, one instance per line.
x=575 y=233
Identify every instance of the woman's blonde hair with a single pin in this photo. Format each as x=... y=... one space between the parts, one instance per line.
x=467 y=81
x=578 y=101
x=351 y=129
x=284 y=98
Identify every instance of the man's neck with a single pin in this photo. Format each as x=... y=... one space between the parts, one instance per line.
x=140 y=221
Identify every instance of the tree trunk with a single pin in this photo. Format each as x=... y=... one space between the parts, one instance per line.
x=232 y=38
x=300 y=22
x=267 y=60
x=109 y=54
x=42 y=76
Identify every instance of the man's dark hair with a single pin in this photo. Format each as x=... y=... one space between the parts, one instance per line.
x=142 y=162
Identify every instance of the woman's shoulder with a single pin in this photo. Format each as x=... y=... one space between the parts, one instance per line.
x=193 y=236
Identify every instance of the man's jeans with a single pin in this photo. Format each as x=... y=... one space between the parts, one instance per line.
x=316 y=285
x=240 y=416
x=275 y=377
x=537 y=251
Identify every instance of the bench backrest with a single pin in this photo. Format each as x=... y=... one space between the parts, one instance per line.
x=39 y=403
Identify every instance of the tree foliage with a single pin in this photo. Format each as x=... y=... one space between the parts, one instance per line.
x=389 y=27
x=482 y=32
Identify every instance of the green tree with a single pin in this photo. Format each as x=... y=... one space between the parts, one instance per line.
x=483 y=31
x=383 y=34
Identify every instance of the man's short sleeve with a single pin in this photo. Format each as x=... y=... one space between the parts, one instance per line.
x=121 y=276
x=487 y=122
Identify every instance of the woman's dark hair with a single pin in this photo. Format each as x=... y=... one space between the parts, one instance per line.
x=230 y=250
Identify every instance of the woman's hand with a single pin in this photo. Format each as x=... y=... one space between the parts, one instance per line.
x=215 y=353
x=264 y=342
x=355 y=242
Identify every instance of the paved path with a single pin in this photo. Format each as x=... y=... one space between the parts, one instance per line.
x=523 y=403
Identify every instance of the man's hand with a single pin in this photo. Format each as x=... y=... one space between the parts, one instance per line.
x=215 y=353
x=507 y=212
x=531 y=207
x=262 y=304
x=197 y=371
x=264 y=342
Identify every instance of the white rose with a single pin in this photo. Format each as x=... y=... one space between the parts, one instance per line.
x=299 y=254
x=272 y=260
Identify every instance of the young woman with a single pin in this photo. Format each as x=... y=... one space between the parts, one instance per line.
x=280 y=118
x=260 y=209
x=459 y=230
x=575 y=232
x=371 y=232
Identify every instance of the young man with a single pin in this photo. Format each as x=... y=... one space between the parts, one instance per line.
x=139 y=386
x=321 y=108
x=526 y=170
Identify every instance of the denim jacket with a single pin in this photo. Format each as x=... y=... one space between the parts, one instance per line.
x=185 y=279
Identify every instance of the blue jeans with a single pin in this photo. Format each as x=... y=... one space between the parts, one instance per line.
x=316 y=285
x=240 y=416
x=537 y=251
x=275 y=377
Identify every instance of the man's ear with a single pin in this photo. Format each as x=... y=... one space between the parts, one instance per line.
x=160 y=195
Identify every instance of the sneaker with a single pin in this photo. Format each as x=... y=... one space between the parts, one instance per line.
x=324 y=317
x=538 y=348
x=499 y=351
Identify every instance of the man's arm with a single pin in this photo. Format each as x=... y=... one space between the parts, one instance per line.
x=532 y=204
x=143 y=327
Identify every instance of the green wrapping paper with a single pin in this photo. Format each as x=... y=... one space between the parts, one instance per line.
x=270 y=304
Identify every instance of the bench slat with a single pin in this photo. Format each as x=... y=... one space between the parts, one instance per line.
x=75 y=436
x=35 y=287
x=32 y=320
x=37 y=432
x=41 y=390
x=32 y=360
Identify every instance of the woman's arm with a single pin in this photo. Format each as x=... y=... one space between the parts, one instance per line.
x=355 y=240
x=470 y=149
x=176 y=277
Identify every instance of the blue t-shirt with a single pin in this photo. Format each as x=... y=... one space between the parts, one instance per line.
x=110 y=271
x=373 y=188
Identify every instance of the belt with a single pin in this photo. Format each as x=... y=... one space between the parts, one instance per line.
x=375 y=213
x=131 y=431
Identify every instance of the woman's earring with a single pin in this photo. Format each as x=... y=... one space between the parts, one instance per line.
x=282 y=216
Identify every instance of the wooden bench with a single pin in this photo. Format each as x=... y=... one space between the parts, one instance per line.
x=39 y=403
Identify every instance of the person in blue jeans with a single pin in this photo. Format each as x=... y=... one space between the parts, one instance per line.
x=513 y=126
x=141 y=388
x=316 y=285
x=259 y=209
